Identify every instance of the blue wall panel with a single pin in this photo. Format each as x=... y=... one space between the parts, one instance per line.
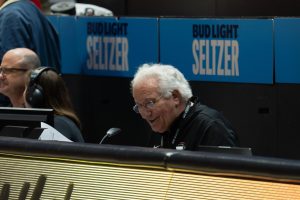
x=219 y=50
x=106 y=46
x=287 y=50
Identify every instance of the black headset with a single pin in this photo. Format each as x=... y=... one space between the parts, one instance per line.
x=35 y=94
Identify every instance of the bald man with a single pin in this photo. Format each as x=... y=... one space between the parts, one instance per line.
x=22 y=24
x=14 y=69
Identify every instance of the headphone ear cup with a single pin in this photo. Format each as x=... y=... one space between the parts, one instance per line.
x=35 y=96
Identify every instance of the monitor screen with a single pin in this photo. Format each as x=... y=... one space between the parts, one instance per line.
x=24 y=122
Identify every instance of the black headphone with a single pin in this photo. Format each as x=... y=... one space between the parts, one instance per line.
x=35 y=93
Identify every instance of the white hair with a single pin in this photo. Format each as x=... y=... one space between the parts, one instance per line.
x=169 y=79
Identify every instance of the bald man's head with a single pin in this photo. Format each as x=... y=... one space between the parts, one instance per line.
x=23 y=57
x=14 y=72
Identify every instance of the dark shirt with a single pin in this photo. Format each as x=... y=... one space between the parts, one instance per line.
x=23 y=25
x=68 y=128
x=201 y=126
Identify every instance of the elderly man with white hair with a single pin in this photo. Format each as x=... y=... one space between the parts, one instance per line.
x=164 y=99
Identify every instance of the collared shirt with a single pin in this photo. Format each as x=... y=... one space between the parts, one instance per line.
x=201 y=126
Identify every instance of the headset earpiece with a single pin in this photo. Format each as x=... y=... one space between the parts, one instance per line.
x=35 y=94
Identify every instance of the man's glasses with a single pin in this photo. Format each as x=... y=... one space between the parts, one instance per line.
x=147 y=105
x=10 y=70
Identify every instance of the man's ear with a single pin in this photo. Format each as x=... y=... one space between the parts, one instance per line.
x=176 y=96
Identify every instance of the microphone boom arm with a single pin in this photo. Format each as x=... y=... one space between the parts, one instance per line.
x=111 y=132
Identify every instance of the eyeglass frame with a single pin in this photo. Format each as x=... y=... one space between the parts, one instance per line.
x=10 y=70
x=147 y=105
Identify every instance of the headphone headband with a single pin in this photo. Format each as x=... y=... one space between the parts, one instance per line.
x=35 y=93
x=35 y=74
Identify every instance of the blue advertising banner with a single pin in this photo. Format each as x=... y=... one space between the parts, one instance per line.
x=106 y=46
x=66 y=28
x=219 y=50
x=287 y=50
x=111 y=46
x=69 y=45
x=54 y=19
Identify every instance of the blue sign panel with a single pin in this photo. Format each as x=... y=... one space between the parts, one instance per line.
x=111 y=46
x=69 y=46
x=66 y=28
x=54 y=19
x=221 y=50
x=287 y=50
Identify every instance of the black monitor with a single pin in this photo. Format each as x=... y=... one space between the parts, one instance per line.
x=24 y=122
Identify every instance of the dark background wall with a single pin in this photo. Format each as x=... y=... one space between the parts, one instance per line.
x=266 y=117
x=210 y=8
